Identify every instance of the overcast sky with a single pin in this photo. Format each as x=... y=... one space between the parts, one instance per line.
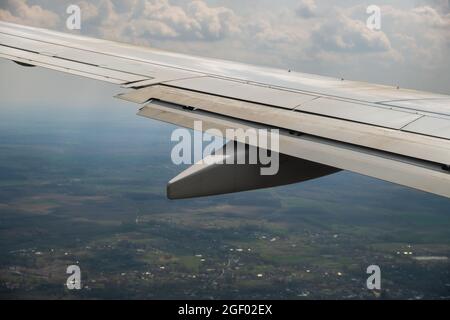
x=412 y=49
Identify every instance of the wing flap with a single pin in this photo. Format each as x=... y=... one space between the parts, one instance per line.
x=359 y=112
x=436 y=127
x=244 y=91
x=389 y=140
x=436 y=107
x=394 y=168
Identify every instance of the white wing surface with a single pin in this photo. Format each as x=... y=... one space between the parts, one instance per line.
x=394 y=134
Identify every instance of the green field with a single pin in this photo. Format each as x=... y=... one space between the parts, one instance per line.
x=76 y=191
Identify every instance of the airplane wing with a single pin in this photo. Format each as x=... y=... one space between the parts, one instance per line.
x=325 y=124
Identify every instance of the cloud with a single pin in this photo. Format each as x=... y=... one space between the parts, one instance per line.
x=307 y=9
x=18 y=11
x=215 y=23
x=343 y=34
x=266 y=32
x=421 y=34
x=442 y=6
x=146 y=20
x=432 y=17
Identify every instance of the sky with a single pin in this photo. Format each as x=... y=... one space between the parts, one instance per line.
x=411 y=50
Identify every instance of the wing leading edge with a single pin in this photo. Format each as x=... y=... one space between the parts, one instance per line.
x=398 y=135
